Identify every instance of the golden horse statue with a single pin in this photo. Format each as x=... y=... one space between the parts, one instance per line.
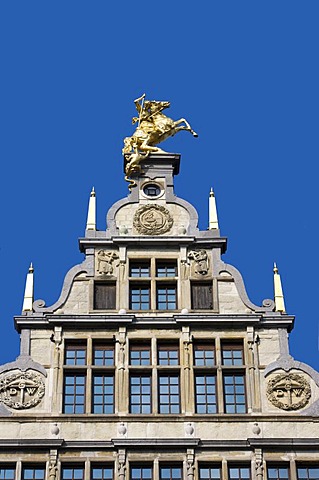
x=153 y=127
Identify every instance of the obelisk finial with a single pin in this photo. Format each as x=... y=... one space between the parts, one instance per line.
x=279 y=296
x=28 y=291
x=91 y=218
x=213 y=219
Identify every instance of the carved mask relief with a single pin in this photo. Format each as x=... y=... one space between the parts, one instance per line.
x=289 y=391
x=21 y=390
x=152 y=220
x=199 y=260
x=106 y=262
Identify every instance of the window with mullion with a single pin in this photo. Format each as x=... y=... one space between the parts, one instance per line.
x=139 y=269
x=166 y=296
x=166 y=268
x=140 y=393
x=239 y=473
x=103 y=393
x=75 y=354
x=168 y=354
x=169 y=393
x=205 y=393
x=140 y=354
x=204 y=355
x=7 y=472
x=33 y=472
x=102 y=472
x=305 y=472
x=278 y=472
x=74 y=393
x=171 y=472
x=210 y=472
x=234 y=393
x=232 y=354
x=141 y=472
x=72 y=472
x=103 y=355
x=140 y=296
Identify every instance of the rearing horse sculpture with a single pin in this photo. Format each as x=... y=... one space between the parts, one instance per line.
x=153 y=128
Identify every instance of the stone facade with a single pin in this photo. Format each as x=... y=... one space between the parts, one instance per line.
x=154 y=363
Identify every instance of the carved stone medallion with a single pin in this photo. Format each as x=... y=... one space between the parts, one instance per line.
x=21 y=389
x=289 y=391
x=152 y=220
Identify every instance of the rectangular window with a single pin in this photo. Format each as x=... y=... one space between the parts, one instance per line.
x=232 y=354
x=202 y=296
x=141 y=472
x=308 y=473
x=278 y=472
x=170 y=472
x=166 y=268
x=213 y=472
x=204 y=355
x=205 y=391
x=139 y=269
x=72 y=473
x=101 y=472
x=75 y=354
x=33 y=473
x=103 y=355
x=140 y=298
x=239 y=473
x=74 y=393
x=140 y=394
x=168 y=354
x=166 y=297
x=7 y=472
x=168 y=391
x=103 y=394
x=104 y=296
x=140 y=354
x=234 y=393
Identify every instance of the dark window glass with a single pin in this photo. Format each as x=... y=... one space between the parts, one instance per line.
x=278 y=472
x=205 y=391
x=141 y=472
x=139 y=269
x=152 y=190
x=169 y=394
x=104 y=296
x=7 y=472
x=234 y=393
x=204 y=355
x=166 y=269
x=140 y=354
x=170 y=472
x=140 y=394
x=75 y=354
x=103 y=394
x=72 y=473
x=166 y=297
x=74 y=393
x=202 y=296
x=168 y=354
x=239 y=473
x=101 y=472
x=308 y=472
x=213 y=472
x=33 y=473
x=232 y=354
x=140 y=297
x=103 y=355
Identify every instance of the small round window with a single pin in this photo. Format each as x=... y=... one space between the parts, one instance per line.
x=152 y=190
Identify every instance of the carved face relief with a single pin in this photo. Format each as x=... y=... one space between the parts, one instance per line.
x=21 y=389
x=200 y=261
x=152 y=220
x=289 y=391
x=105 y=262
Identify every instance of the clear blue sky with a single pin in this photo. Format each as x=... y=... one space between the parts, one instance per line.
x=244 y=73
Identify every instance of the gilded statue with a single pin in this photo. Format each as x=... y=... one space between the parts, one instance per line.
x=153 y=127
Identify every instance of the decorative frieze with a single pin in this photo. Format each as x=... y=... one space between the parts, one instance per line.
x=289 y=391
x=21 y=390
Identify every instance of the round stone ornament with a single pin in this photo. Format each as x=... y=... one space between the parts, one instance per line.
x=152 y=220
x=289 y=391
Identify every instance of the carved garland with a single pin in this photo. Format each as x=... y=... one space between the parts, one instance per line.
x=28 y=386
x=152 y=220
x=289 y=391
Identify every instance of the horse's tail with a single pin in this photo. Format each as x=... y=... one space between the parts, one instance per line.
x=131 y=182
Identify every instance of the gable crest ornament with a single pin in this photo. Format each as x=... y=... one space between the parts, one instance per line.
x=289 y=391
x=21 y=390
x=152 y=220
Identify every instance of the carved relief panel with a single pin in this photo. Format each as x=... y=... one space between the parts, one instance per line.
x=199 y=263
x=288 y=391
x=106 y=263
x=152 y=219
x=21 y=390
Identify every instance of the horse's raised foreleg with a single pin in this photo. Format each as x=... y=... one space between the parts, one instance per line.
x=186 y=127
